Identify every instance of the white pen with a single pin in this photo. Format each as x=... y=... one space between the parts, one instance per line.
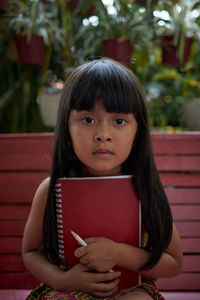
x=82 y=242
x=78 y=238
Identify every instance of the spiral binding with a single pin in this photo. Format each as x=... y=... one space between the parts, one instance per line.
x=58 y=190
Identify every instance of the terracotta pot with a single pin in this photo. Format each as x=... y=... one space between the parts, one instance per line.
x=3 y=4
x=30 y=53
x=118 y=50
x=169 y=51
x=72 y=5
x=191 y=114
x=144 y=2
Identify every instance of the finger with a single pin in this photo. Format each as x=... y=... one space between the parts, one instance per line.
x=106 y=286
x=79 y=252
x=108 y=276
x=90 y=240
x=84 y=260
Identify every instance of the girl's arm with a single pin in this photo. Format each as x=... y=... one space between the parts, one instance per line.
x=169 y=265
x=103 y=254
x=78 y=277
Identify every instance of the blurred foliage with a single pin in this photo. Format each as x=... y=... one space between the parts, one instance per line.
x=165 y=87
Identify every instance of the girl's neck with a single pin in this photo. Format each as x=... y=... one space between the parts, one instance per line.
x=90 y=173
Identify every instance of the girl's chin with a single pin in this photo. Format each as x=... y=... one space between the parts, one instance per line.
x=101 y=172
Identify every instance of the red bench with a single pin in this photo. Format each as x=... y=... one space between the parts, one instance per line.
x=25 y=160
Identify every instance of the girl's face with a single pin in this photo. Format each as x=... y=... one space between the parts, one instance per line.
x=101 y=140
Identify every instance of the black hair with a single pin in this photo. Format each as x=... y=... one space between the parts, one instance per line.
x=119 y=90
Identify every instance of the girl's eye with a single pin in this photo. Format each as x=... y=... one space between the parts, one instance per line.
x=88 y=120
x=119 y=122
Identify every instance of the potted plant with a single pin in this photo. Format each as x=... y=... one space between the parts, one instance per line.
x=116 y=28
x=49 y=97
x=179 y=31
x=33 y=29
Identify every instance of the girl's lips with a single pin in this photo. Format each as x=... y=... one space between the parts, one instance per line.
x=103 y=152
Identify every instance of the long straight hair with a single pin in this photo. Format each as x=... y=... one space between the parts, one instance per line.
x=120 y=92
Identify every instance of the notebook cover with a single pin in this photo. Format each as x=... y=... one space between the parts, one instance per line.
x=98 y=207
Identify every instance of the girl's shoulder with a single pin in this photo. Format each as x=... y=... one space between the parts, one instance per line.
x=40 y=197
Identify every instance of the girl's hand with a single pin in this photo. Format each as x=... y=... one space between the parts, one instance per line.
x=99 y=254
x=81 y=278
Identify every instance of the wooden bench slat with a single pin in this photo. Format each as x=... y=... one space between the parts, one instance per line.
x=181 y=295
x=12 y=228
x=13 y=294
x=12 y=262
x=10 y=245
x=191 y=245
x=177 y=163
x=179 y=179
x=25 y=162
x=184 y=143
x=183 y=195
x=184 y=281
x=17 y=194
x=186 y=212
x=22 y=179
x=17 y=280
x=188 y=229
x=13 y=212
x=191 y=263
x=26 y=143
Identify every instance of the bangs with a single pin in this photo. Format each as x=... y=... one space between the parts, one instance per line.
x=109 y=82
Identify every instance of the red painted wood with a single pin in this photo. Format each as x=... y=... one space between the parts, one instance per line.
x=14 y=294
x=17 y=194
x=183 y=195
x=181 y=295
x=10 y=245
x=182 y=282
x=12 y=262
x=191 y=263
x=183 y=143
x=25 y=162
x=188 y=229
x=33 y=144
x=177 y=163
x=14 y=179
x=12 y=228
x=191 y=245
x=186 y=212
x=14 y=212
x=18 y=281
x=180 y=180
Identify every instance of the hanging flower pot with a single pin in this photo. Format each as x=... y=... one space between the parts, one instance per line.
x=146 y=2
x=169 y=51
x=82 y=8
x=30 y=52
x=3 y=4
x=48 y=106
x=118 y=50
x=191 y=114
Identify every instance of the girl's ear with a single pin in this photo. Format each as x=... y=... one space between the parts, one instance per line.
x=69 y=143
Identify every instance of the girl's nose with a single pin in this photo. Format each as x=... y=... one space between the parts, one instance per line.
x=103 y=134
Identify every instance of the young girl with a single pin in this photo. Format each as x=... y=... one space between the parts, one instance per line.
x=102 y=130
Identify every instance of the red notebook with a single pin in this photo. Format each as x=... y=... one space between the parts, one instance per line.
x=98 y=207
